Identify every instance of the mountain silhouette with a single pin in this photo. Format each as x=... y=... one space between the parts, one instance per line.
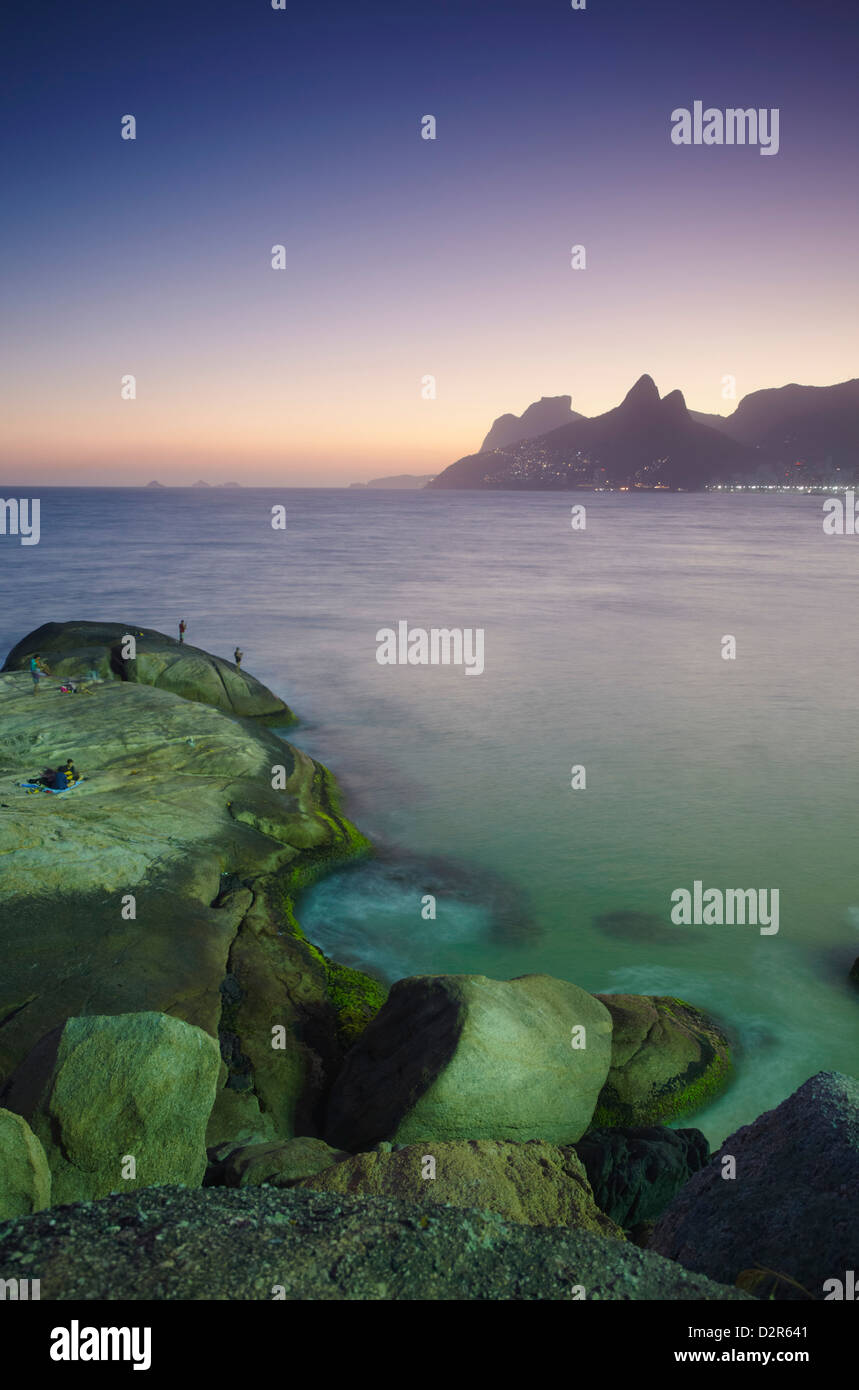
x=548 y=413
x=644 y=442
x=815 y=425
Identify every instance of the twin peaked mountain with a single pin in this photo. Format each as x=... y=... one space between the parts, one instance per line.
x=794 y=433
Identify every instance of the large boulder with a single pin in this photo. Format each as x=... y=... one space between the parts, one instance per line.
x=791 y=1207
x=78 y=649
x=25 y=1178
x=465 y=1057
x=264 y=1243
x=102 y=1091
x=634 y=1173
x=667 y=1060
x=536 y=1183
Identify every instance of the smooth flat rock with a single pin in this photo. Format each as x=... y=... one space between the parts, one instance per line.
x=535 y=1183
x=667 y=1060
x=25 y=1178
x=466 y=1057
x=792 y=1207
x=102 y=1090
x=267 y=1243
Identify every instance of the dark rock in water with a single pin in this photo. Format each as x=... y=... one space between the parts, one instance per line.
x=791 y=1210
x=634 y=1173
x=511 y=916
x=365 y=913
x=535 y=1183
x=667 y=1059
x=265 y=1243
x=641 y=926
x=466 y=1057
x=77 y=649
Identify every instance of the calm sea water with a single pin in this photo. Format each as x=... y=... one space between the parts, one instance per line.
x=603 y=648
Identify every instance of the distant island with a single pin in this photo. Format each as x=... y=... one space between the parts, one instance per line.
x=789 y=436
x=399 y=480
x=201 y=483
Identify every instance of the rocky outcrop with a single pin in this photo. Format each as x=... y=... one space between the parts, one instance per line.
x=667 y=1060
x=262 y=1243
x=25 y=1178
x=281 y=1164
x=634 y=1173
x=119 y=1101
x=164 y=883
x=78 y=649
x=780 y=1196
x=465 y=1057
x=535 y=1183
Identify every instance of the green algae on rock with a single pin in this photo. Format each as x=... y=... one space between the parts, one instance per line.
x=667 y=1059
x=25 y=1178
x=535 y=1183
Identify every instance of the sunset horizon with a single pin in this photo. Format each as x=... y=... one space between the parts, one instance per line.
x=260 y=140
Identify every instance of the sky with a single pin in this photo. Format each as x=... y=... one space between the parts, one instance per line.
x=405 y=258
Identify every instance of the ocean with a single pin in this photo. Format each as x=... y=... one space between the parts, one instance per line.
x=603 y=649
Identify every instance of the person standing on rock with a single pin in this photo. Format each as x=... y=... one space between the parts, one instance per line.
x=237 y=655
x=37 y=671
x=181 y=629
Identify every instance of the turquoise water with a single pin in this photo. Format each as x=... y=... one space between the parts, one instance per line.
x=603 y=648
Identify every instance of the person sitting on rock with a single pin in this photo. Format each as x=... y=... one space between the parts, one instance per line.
x=65 y=776
x=238 y=654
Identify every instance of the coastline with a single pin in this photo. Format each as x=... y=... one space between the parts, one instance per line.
x=210 y=825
